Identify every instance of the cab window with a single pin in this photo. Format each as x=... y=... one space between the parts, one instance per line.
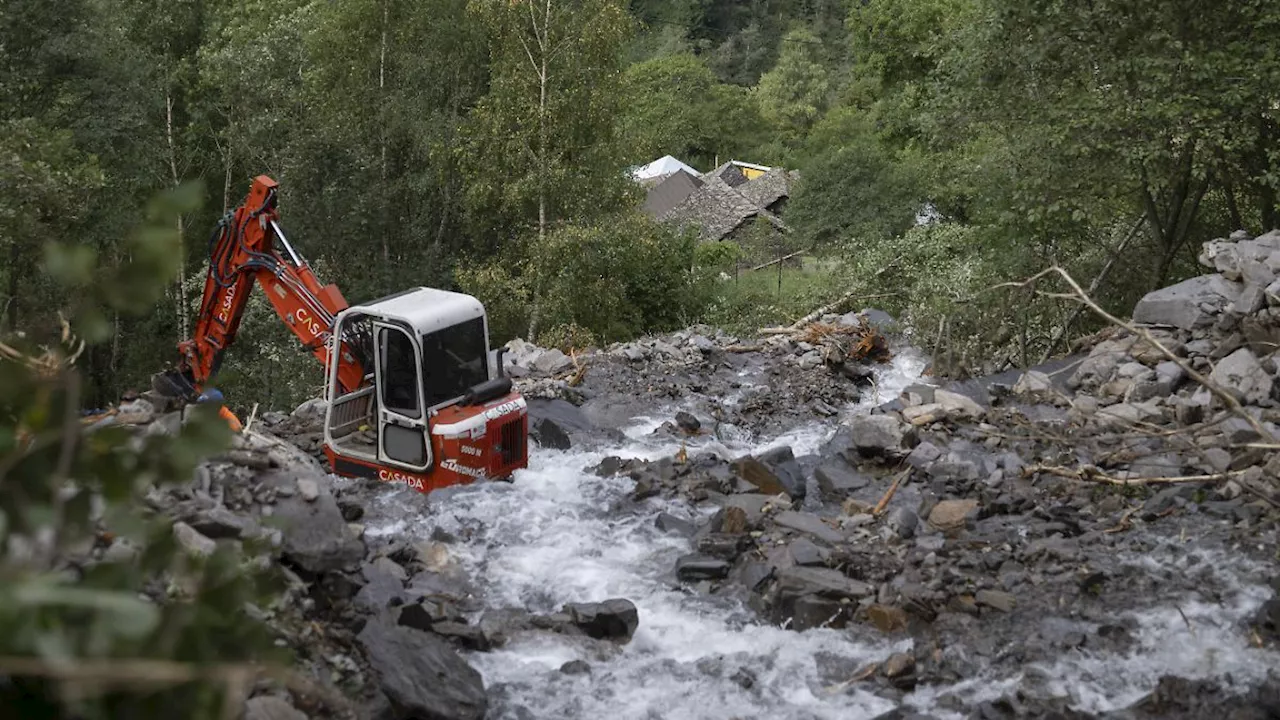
x=399 y=373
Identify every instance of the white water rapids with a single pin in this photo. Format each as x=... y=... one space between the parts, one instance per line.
x=550 y=538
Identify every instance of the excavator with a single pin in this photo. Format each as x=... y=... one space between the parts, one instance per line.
x=413 y=393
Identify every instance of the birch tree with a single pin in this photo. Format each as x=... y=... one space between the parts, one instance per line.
x=542 y=147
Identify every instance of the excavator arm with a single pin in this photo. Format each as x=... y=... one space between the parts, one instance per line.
x=247 y=248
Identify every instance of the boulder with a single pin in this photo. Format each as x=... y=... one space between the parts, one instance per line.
x=270 y=707
x=694 y=567
x=1241 y=374
x=612 y=619
x=1188 y=305
x=548 y=434
x=823 y=582
x=836 y=479
x=956 y=405
x=951 y=514
x=773 y=472
x=552 y=362
x=192 y=541
x=316 y=536
x=421 y=674
x=808 y=524
x=1034 y=385
x=880 y=435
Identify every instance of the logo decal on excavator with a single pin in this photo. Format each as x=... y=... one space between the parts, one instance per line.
x=392 y=476
x=453 y=465
x=224 y=313
x=503 y=409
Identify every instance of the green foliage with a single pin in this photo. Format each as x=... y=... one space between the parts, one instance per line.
x=80 y=638
x=854 y=186
x=539 y=147
x=504 y=293
x=794 y=94
x=753 y=300
x=567 y=337
x=613 y=278
x=675 y=106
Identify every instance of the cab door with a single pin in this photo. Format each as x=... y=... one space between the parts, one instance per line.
x=402 y=417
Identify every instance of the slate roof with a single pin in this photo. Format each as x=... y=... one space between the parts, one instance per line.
x=717 y=209
x=669 y=192
x=730 y=173
x=769 y=187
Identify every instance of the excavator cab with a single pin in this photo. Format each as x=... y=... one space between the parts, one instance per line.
x=434 y=408
x=414 y=393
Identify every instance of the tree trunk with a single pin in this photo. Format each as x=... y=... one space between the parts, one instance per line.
x=1237 y=223
x=543 y=38
x=183 y=320
x=382 y=173
x=15 y=271
x=1169 y=223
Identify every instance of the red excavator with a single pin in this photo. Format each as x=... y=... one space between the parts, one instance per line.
x=413 y=392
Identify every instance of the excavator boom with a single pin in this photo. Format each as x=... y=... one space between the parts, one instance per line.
x=243 y=251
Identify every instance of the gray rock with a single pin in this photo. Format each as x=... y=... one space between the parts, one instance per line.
x=774 y=471
x=804 y=552
x=810 y=360
x=837 y=479
x=552 y=362
x=809 y=525
x=192 y=541
x=1102 y=363
x=903 y=521
x=615 y=619
x=220 y=523
x=923 y=455
x=380 y=589
x=1170 y=375
x=316 y=537
x=1034 y=384
x=548 y=434
x=1252 y=299
x=421 y=674
x=881 y=434
x=687 y=422
x=1162 y=465
x=1188 y=305
x=308 y=489
x=751 y=503
x=823 y=582
x=668 y=523
x=311 y=411
x=1242 y=374
x=1002 y=601
x=691 y=568
x=269 y=707
x=957 y=405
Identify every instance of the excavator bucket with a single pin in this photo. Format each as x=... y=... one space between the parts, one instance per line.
x=174 y=383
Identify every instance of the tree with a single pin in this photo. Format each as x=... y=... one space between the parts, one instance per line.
x=674 y=105
x=542 y=148
x=793 y=95
x=1152 y=104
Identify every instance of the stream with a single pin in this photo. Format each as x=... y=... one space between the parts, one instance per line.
x=555 y=535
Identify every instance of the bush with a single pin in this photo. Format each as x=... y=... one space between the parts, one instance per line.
x=146 y=634
x=613 y=279
x=568 y=337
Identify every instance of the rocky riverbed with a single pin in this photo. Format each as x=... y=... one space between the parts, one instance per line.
x=804 y=525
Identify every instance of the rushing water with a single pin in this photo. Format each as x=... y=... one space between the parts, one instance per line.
x=552 y=537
